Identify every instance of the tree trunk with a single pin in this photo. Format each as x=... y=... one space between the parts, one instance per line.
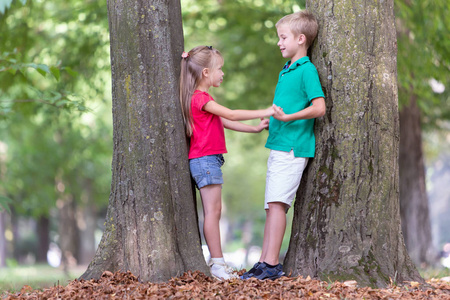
x=43 y=231
x=68 y=231
x=416 y=225
x=2 y=240
x=346 y=220
x=86 y=223
x=151 y=226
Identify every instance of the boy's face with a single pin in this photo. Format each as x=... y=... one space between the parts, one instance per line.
x=289 y=44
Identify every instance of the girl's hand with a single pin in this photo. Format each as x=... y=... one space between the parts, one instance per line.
x=270 y=111
x=264 y=124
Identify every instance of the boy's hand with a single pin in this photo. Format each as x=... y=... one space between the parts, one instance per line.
x=264 y=124
x=279 y=114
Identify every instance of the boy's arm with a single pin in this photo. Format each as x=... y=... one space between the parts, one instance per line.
x=238 y=126
x=316 y=110
x=238 y=114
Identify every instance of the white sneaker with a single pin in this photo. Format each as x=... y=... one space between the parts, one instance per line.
x=221 y=271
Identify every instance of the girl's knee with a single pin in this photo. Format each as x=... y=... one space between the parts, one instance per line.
x=213 y=213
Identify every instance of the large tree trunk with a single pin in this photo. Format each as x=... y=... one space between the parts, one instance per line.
x=414 y=211
x=151 y=226
x=346 y=221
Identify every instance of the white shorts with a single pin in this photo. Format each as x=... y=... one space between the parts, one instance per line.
x=284 y=172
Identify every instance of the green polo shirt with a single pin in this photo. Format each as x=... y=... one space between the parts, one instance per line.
x=297 y=86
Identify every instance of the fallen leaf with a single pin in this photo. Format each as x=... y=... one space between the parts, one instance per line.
x=351 y=283
x=196 y=285
x=414 y=284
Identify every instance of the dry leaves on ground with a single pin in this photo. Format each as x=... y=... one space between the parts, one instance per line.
x=198 y=286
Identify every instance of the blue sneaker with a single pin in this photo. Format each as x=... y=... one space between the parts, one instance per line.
x=264 y=272
x=250 y=272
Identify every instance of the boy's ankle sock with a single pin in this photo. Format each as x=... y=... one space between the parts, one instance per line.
x=270 y=266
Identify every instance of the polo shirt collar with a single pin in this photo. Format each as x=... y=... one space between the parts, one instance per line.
x=297 y=63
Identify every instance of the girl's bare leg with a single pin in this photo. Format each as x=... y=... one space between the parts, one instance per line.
x=212 y=207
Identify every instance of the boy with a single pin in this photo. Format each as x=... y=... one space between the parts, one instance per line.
x=298 y=100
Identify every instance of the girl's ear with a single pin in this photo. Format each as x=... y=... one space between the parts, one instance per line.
x=205 y=72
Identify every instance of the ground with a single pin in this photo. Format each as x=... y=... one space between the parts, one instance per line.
x=198 y=286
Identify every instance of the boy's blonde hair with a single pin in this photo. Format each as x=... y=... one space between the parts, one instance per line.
x=192 y=66
x=302 y=22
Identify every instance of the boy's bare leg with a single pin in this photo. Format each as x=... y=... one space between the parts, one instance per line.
x=274 y=230
x=265 y=238
x=212 y=208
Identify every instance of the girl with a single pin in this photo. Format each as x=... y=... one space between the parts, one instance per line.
x=201 y=68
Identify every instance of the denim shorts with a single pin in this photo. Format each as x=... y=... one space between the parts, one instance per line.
x=206 y=170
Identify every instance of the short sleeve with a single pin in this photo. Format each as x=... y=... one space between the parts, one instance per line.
x=311 y=82
x=200 y=99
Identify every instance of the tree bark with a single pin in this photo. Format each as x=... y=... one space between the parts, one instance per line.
x=86 y=224
x=415 y=216
x=151 y=226
x=2 y=240
x=346 y=221
x=68 y=231
x=43 y=232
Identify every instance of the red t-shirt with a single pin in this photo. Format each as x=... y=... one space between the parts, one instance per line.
x=208 y=136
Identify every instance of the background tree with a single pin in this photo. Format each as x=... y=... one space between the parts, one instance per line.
x=55 y=149
x=151 y=224
x=346 y=221
x=423 y=64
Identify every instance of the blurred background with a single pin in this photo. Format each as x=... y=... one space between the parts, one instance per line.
x=56 y=123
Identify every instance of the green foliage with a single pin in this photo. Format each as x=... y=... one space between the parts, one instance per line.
x=4 y=201
x=45 y=39
x=424 y=56
x=55 y=110
x=5 y=4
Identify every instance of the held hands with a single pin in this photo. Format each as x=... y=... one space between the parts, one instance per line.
x=264 y=124
x=276 y=112
x=270 y=111
x=279 y=114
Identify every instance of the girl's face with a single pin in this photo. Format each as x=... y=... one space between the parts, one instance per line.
x=288 y=43
x=216 y=75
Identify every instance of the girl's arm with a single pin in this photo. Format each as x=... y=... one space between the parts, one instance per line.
x=316 y=110
x=238 y=114
x=238 y=126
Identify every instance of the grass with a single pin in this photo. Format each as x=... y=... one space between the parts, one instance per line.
x=434 y=273
x=36 y=276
